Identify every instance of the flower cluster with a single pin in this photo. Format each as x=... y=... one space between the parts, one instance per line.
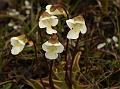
x=13 y=12
x=48 y=20
x=27 y=7
x=112 y=41
x=13 y=25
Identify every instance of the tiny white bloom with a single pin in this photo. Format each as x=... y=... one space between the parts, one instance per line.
x=52 y=49
x=17 y=13
x=47 y=21
x=77 y=25
x=18 y=44
x=55 y=10
x=116 y=45
x=10 y=24
x=27 y=12
x=108 y=40
x=13 y=12
x=115 y=39
x=27 y=3
x=101 y=45
x=15 y=27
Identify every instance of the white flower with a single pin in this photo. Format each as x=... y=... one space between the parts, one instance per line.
x=77 y=25
x=27 y=12
x=55 y=10
x=15 y=27
x=18 y=44
x=27 y=4
x=115 y=39
x=52 y=49
x=47 y=21
x=13 y=12
x=108 y=40
x=11 y=24
x=116 y=45
x=101 y=45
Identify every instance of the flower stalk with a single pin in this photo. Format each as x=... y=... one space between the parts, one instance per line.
x=36 y=63
x=71 y=66
x=67 y=77
x=50 y=75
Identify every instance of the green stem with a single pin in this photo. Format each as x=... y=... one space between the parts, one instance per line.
x=2 y=83
x=75 y=6
x=34 y=27
x=36 y=55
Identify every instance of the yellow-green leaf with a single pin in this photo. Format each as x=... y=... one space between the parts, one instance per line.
x=76 y=62
x=35 y=84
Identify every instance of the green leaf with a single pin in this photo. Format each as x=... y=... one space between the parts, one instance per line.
x=59 y=82
x=76 y=62
x=7 y=86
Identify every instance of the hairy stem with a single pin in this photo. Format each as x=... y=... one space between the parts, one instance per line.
x=67 y=77
x=50 y=76
x=74 y=53
x=36 y=55
x=35 y=64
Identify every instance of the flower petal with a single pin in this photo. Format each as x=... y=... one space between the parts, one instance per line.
x=60 y=48
x=51 y=55
x=83 y=29
x=101 y=45
x=48 y=7
x=13 y=40
x=54 y=21
x=115 y=39
x=72 y=34
x=70 y=23
x=50 y=31
x=41 y=24
x=16 y=50
x=44 y=47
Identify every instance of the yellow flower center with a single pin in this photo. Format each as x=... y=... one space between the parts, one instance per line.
x=52 y=49
x=17 y=43
x=47 y=22
x=76 y=28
